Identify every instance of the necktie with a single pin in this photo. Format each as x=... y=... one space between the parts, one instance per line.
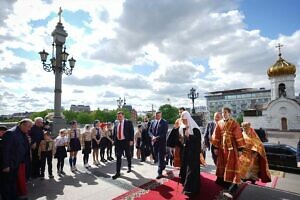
x=75 y=136
x=155 y=128
x=97 y=134
x=120 y=130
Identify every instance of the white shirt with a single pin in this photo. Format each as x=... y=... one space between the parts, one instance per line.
x=60 y=141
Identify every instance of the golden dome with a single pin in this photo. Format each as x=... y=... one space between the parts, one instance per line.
x=281 y=67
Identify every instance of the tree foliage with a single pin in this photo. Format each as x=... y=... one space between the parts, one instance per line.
x=40 y=114
x=84 y=118
x=240 y=118
x=169 y=113
x=70 y=115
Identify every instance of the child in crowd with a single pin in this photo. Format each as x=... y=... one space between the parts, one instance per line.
x=96 y=136
x=110 y=143
x=74 y=144
x=61 y=152
x=103 y=142
x=137 y=139
x=169 y=156
x=86 y=142
x=45 y=152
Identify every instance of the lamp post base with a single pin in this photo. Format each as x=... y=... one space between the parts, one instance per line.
x=58 y=123
x=198 y=119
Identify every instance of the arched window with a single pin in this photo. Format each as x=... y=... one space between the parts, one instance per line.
x=281 y=90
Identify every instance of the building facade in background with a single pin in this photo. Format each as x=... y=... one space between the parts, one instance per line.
x=238 y=100
x=80 y=108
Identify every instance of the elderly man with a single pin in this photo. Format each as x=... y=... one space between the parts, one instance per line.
x=2 y=175
x=16 y=158
x=36 y=135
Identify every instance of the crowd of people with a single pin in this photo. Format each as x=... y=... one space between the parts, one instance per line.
x=237 y=153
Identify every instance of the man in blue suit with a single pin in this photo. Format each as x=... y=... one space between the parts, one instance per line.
x=158 y=133
x=208 y=133
x=123 y=135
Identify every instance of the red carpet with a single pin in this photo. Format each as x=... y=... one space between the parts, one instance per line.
x=168 y=188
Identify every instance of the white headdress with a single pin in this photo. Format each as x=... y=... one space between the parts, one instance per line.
x=191 y=123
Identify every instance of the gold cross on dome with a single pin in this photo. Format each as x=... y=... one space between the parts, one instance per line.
x=279 y=48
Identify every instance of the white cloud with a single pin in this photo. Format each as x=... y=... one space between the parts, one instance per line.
x=199 y=44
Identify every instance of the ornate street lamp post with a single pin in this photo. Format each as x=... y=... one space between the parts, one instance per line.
x=119 y=102
x=193 y=95
x=58 y=66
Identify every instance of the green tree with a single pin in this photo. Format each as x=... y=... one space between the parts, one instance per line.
x=40 y=114
x=85 y=118
x=70 y=115
x=240 y=118
x=98 y=115
x=169 y=113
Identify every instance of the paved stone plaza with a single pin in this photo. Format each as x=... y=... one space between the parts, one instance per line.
x=97 y=183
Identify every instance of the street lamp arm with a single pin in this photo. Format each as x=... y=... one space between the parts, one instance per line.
x=47 y=67
x=68 y=71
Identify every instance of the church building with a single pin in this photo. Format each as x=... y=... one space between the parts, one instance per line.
x=283 y=111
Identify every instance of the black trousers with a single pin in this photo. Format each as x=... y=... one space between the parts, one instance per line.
x=9 y=185
x=109 y=150
x=122 y=146
x=35 y=163
x=46 y=155
x=214 y=156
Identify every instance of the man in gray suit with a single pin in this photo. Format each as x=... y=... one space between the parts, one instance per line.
x=208 y=133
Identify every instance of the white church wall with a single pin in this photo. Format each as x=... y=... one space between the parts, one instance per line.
x=277 y=109
x=283 y=108
x=256 y=122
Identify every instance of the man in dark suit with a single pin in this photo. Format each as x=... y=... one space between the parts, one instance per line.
x=146 y=146
x=208 y=133
x=158 y=133
x=3 y=129
x=36 y=135
x=123 y=136
x=16 y=159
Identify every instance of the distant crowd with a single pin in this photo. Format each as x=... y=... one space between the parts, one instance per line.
x=238 y=155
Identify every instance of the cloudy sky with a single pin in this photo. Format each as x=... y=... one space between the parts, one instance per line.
x=150 y=52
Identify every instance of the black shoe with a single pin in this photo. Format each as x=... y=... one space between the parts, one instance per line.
x=111 y=158
x=103 y=160
x=34 y=176
x=51 y=176
x=117 y=175
x=220 y=181
x=129 y=170
x=233 y=188
x=159 y=176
